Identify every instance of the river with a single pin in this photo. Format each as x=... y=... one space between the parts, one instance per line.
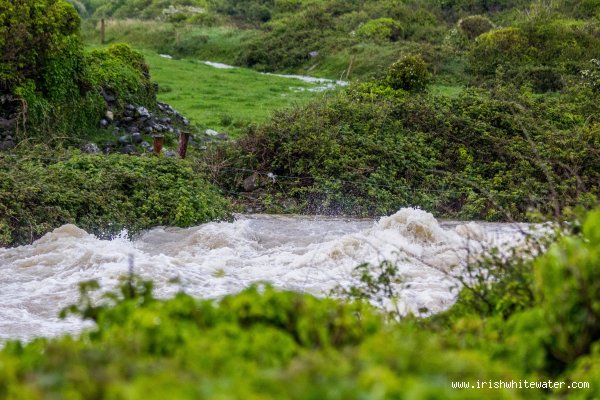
x=302 y=253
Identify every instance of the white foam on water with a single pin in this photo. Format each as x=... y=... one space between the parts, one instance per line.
x=311 y=79
x=218 y=65
x=308 y=254
x=323 y=83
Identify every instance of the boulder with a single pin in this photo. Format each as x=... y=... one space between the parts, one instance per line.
x=124 y=140
x=90 y=148
x=128 y=149
x=136 y=137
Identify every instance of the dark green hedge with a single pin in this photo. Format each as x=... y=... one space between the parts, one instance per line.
x=101 y=194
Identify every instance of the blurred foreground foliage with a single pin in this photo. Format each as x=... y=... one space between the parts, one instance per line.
x=266 y=344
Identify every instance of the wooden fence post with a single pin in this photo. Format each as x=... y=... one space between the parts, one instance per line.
x=158 y=143
x=184 y=138
x=102 y=31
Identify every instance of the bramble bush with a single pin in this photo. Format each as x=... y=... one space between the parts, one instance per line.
x=101 y=194
x=373 y=149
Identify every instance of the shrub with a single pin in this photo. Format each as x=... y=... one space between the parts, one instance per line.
x=408 y=73
x=475 y=25
x=591 y=77
x=542 y=79
x=380 y=30
x=373 y=149
x=123 y=72
x=101 y=194
x=505 y=47
x=39 y=42
x=566 y=287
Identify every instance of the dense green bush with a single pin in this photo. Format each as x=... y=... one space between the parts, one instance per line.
x=475 y=25
x=539 y=51
x=101 y=194
x=122 y=72
x=43 y=65
x=39 y=42
x=374 y=149
x=542 y=79
x=408 y=73
x=380 y=30
x=505 y=47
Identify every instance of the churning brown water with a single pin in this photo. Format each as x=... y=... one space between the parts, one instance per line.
x=308 y=254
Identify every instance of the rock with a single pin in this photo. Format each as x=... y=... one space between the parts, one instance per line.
x=132 y=129
x=128 y=113
x=222 y=136
x=107 y=147
x=185 y=121
x=6 y=145
x=165 y=120
x=148 y=129
x=313 y=54
x=211 y=132
x=110 y=116
x=104 y=123
x=90 y=148
x=8 y=124
x=145 y=145
x=142 y=112
x=125 y=139
x=136 y=137
x=127 y=120
x=170 y=153
x=109 y=98
x=129 y=149
x=130 y=107
x=251 y=182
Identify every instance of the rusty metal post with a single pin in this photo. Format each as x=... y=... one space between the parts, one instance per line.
x=102 y=31
x=158 y=143
x=184 y=138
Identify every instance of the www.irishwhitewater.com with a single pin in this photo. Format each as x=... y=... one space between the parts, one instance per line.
x=520 y=384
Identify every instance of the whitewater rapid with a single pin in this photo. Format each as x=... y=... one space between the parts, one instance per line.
x=307 y=254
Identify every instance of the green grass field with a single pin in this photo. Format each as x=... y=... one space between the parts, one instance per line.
x=224 y=99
